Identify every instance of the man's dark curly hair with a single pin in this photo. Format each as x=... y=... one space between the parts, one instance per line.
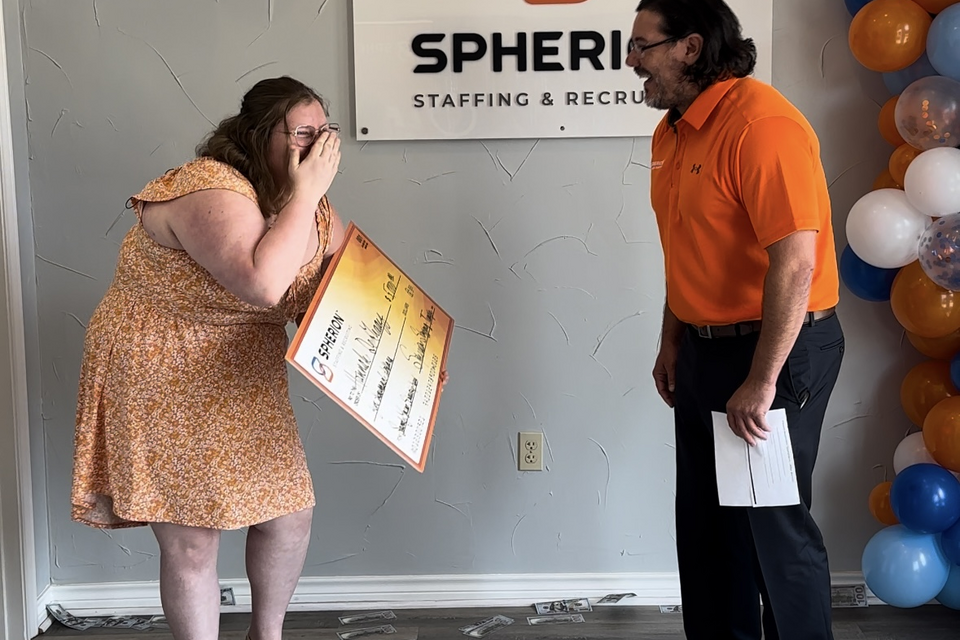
x=726 y=54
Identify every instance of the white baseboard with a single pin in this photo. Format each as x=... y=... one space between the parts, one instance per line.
x=43 y=620
x=398 y=592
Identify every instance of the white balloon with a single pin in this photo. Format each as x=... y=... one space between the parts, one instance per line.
x=911 y=451
x=884 y=229
x=932 y=183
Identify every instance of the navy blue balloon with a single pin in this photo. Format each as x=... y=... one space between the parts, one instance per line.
x=950 y=543
x=865 y=280
x=955 y=375
x=853 y=6
x=897 y=81
x=926 y=498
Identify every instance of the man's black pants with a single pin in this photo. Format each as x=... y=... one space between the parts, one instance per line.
x=730 y=557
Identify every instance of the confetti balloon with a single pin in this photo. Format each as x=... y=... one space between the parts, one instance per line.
x=928 y=113
x=940 y=252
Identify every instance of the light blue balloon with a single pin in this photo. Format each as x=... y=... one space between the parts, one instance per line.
x=943 y=42
x=897 y=81
x=903 y=568
x=950 y=594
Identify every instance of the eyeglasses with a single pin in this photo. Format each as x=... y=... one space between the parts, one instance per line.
x=633 y=46
x=305 y=135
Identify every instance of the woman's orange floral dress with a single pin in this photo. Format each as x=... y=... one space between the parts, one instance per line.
x=183 y=411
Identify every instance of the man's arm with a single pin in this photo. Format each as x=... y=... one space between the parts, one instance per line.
x=672 y=329
x=665 y=368
x=786 y=294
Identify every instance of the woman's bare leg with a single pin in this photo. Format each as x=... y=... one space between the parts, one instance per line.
x=276 y=551
x=189 y=590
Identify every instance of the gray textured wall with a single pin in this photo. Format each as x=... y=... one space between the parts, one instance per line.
x=117 y=92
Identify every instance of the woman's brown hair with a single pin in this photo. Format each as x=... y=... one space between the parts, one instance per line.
x=242 y=140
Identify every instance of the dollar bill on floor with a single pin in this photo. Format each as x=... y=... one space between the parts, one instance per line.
x=137 y=623
x=70 y=621
x=613 y=598
x=156 y=622
x=486 y=627
x=564 y=606
x=563 y=618
x=844 y=596
x=361 y=618
x=383 y=630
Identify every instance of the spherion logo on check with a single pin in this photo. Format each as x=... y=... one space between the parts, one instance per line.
x=323 y=370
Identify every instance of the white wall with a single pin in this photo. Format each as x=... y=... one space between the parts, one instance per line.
x=573 y=334
x=15 y=74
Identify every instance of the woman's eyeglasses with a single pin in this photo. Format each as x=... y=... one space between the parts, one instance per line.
x=306 y=135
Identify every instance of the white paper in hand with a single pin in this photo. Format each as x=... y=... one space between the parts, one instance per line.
x=734 y=482
x=761 y=476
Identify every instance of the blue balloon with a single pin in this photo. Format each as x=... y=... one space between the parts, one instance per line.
x=897 y=81
x=955 y=376
x=926 y=498
x=903 y=568
x=949 y=596
x=943 y=42
x=950 y=543
x=853 y=6
x=865 y=280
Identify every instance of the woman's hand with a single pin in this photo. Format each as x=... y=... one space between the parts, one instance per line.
x=312 y=174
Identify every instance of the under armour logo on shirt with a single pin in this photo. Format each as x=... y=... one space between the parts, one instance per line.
x=696 y=168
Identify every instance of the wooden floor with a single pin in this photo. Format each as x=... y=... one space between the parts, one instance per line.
x=604 y=623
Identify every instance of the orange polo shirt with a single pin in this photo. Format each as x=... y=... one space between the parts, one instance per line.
x=737 y=172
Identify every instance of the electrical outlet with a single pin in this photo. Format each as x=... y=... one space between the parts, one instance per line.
x=530 y=451
x=226 y=597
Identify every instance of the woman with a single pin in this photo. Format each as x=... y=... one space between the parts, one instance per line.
x=184 y=419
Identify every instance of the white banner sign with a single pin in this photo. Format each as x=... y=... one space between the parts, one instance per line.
x=448 y=69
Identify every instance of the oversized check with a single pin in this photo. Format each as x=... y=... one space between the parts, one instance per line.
x=376 y=343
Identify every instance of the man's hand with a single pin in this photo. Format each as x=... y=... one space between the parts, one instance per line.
x=664 y=373
x=747 y=410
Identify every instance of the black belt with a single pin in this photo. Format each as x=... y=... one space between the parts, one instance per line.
x=746 y=328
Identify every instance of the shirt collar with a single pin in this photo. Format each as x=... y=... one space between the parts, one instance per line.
x=703 y=105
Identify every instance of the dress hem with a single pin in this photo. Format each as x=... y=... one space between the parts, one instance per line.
x=131 y=520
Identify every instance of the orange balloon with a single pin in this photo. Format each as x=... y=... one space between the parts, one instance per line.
x=887 y=123
x=941 y=433
x=886 y=181
x=935 y=6
x=889 y=35
x=900 y=159
x=923 y=387
x=937 y=348
x=880 y=505
x=923 y=307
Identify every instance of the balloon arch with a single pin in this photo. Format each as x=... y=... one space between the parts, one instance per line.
x=904 y=248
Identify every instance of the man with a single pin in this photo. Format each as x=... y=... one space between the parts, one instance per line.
x=749 y=324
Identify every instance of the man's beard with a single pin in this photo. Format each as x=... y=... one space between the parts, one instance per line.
x=655 y=94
